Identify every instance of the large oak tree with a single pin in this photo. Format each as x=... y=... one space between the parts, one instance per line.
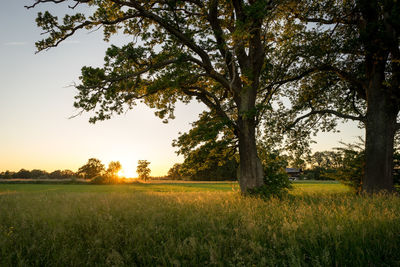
x=230 y=55
x=355 y=45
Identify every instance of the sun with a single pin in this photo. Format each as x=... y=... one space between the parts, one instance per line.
x=128 y=165
x=123 y=173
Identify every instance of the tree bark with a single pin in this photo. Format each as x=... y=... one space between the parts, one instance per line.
x=250 y=172
x=380 y=131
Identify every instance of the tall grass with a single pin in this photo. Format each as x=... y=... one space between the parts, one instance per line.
x=198 y=228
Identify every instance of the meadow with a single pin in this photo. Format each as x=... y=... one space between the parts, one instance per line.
x=195 y=224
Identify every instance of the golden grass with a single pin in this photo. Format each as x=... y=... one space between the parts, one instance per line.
x=317 y=227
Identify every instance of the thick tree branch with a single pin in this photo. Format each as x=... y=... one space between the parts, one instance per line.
x=205 y=96
x=289 y=79
x=71 y=31
x=238 y=5
x=77 y=2
x=353 y=104
x=221 y=43
x=156 y=66
x=326 y=111
x=239 y=48
x=214 y=75
x=344 y=75
x=331 y=21
x=45 y=1
x=273 y=87
x=66 y=35
x=206 y=61
x=162 y=22
x=359 y=85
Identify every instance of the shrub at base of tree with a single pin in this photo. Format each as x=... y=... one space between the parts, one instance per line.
x=276 y=180
x=276 y=185
x=106 y=179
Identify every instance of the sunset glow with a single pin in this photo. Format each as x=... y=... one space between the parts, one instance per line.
x=121 y=173
x=127 y=172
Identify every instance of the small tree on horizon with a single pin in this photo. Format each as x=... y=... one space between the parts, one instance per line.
x=143 y=170
x=113 y=168
x=91 y=169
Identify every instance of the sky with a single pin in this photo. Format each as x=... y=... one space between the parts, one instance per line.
x=36 y=101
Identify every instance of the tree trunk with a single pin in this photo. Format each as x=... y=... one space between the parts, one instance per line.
x=250 y=172
x=380 y=131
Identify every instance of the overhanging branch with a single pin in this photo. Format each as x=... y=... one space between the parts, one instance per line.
x=205 y=59
x=205 y=96
x=344 y=75
x=44 y=1
x=326 y=111
x=221 y=43
x=71 y=31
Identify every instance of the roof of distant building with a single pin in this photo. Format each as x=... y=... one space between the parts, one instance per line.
x=292 y=170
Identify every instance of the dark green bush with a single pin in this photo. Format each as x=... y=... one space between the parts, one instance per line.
x=318 y=173
x=275 y=177
x=352 y=170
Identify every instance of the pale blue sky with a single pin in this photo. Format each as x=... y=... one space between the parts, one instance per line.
x=35 y=103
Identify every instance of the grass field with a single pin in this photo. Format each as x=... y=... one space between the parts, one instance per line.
x=195 y=224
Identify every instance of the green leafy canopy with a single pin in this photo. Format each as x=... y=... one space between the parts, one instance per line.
x=211 y=51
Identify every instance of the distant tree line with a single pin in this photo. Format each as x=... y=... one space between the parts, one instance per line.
x=38 y=174
x=93 y=171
